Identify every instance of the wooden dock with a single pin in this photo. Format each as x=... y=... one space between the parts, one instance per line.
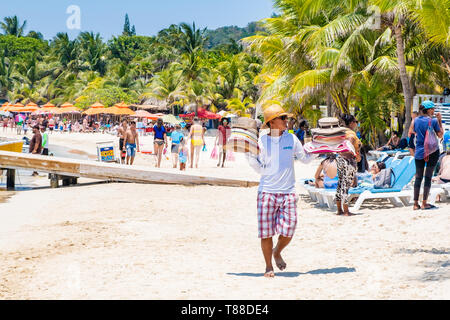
x=70 y=168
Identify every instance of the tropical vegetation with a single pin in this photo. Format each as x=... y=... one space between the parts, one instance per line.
x=368 y=57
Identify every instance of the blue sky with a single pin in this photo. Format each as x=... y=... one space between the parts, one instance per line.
x=149 y=16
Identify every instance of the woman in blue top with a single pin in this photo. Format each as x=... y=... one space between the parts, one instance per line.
x=421 y=125
x=160 y=139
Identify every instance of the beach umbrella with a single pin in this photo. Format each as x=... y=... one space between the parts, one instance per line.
x=97 y=105
x=202 y=114
x=96 y=108
x=142 y=114
x=119 y=111
x=171 y=119
x=67 y=108
x=121 y=105
x=31 y=107
x=48 y=105
x=5 y=104
x=19 y=118
x=67 y=105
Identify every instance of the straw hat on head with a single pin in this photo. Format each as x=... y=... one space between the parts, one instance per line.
x=272 y=112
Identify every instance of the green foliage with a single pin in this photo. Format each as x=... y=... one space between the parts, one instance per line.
x=227 y=37
x=20 y=47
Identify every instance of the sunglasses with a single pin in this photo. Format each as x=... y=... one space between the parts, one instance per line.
x=283 y=117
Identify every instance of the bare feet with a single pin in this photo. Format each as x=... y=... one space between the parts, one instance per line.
x=340 y=213
x=417 y=207
x=349 y=214
x=269 y=273
x=279 y=260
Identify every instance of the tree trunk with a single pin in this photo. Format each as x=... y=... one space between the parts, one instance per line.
x=406 y=85
x=329 y=105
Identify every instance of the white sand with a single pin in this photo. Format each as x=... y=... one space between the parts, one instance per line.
x=130 y=241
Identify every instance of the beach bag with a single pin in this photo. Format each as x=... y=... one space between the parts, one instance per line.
x=214 y=153
x=431 y=143
x=385 y=179
x=204 y=148
x=230 y=156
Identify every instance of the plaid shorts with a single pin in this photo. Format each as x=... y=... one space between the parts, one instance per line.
x=277 y=214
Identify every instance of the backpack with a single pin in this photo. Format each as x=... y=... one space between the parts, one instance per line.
x=385 y=179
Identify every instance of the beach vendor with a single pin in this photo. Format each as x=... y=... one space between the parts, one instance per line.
x=277 y=198
x=347 y=167
x=131 y=141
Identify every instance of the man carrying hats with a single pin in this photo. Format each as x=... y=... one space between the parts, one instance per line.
x=277 y=198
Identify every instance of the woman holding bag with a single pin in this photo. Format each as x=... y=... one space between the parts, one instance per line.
x=427 y=150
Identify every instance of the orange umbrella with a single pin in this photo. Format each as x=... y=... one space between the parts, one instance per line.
x=97 y=105
x=119 y=111
x=96 y=108
x=67 y=110
x=49 y=105
x=19 y=105
x=67 y=105
x=5 y=104
x=121 y=105
x=31 y=106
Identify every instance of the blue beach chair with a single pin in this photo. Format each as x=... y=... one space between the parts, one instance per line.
x=404 y=172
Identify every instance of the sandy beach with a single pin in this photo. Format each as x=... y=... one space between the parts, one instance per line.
x=132 y=241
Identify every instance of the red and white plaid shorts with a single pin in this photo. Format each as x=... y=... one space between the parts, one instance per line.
x=277 y=214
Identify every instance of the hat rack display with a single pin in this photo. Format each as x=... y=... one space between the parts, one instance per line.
x=244 y=136
x=329 y=137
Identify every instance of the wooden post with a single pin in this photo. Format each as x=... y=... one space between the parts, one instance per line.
x=54 y=183
x=10 y=179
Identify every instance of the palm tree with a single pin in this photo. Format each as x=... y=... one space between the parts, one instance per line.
x=93 y=51
x=11 y=26
x=394 y=15
x=434 y=17
x=167 y=86
x=7 y=76
x=240 y=107
x=68 y=53
x=193 y=38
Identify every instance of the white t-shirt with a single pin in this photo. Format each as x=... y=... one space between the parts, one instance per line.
x=275 y=162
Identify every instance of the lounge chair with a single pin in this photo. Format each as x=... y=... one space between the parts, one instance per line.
x=404 y=172
x=327 y=196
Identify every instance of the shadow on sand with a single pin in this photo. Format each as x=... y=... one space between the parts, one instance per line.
x=297 y=274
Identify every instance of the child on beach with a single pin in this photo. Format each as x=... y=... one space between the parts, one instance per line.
x=183 y=155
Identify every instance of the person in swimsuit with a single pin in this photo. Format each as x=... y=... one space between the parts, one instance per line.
x=160 y=140
x=121 y=134
x=176 y=139
x=131 y=141
x=326 y=174
x=197 y=138
x=223 y=134
x=183 y=154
